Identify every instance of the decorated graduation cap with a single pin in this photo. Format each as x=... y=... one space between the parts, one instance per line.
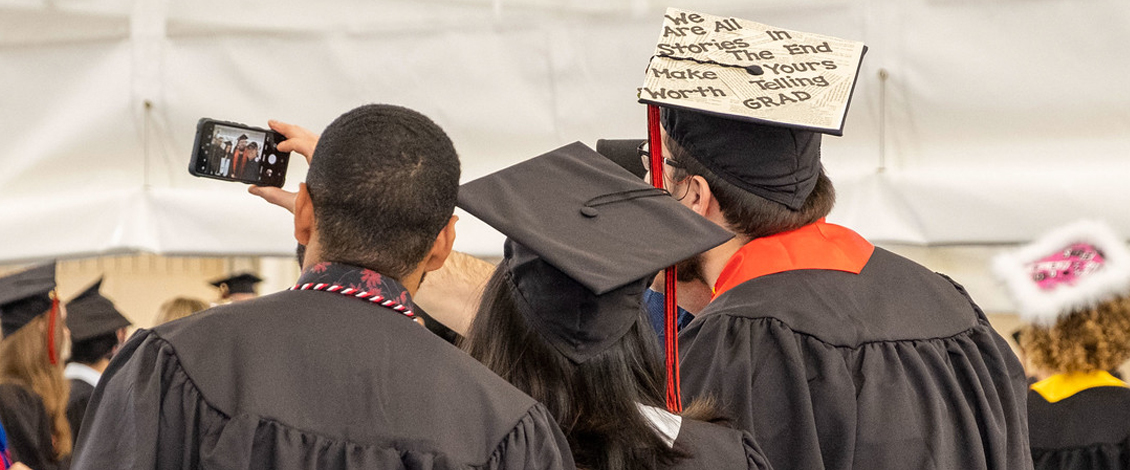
x=243 y=283
x=90 y=314
x=750 y=101
x=584 y=239
x=1075 y=267
x=26 y=295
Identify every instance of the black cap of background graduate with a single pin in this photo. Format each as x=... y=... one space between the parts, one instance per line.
x=625 y=152
x=585 y=237
x=90 y=314
x=24 y=296
x=243 y=283
x=750 y=101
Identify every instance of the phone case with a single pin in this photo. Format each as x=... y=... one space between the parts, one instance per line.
x=250 y=158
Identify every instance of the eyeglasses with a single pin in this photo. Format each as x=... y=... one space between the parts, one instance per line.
x=645 y=159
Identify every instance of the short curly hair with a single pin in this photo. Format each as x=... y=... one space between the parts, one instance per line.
x=1082 y=341
x=383 y=182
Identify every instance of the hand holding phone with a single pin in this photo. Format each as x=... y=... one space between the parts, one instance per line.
x=232 y=151
x=298 y=139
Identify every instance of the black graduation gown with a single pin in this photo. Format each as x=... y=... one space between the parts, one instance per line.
x=893 y=368
x=1088 y=430
x=434 y=326
x=717 y=447
x=28 y=428
x=76 y=404
x=308 y=380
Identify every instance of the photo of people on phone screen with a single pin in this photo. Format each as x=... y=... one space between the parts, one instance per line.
x=236 y=153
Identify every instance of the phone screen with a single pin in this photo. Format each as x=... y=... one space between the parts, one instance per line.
x=239 y=154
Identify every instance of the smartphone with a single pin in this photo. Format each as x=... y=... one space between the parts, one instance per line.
x=231 y=151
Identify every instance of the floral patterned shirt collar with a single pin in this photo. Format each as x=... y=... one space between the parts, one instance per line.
x=357 y=278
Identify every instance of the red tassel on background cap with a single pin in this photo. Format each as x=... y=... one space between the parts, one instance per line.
x=52 y=317
x=671 y=334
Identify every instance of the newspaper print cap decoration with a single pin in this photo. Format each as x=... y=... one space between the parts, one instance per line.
x=749 y=71
x=1072 y=268
x=750 y=101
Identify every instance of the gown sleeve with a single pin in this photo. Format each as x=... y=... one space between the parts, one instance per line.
x=76 y=405
x=713 y=446
x=535 y=443
x=121 y=427
x=28 y=428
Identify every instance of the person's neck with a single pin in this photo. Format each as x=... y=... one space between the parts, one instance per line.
x=99 y=366
x=715 y=260
x=411 y=282
x=241 y=297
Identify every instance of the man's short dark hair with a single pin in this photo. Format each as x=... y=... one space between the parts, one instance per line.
x=91 y=350
x=750 y=215
x=383 y=182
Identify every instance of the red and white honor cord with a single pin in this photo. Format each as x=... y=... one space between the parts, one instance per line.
x=359 y=294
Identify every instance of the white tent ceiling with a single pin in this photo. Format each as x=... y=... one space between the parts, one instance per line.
x=997 y=120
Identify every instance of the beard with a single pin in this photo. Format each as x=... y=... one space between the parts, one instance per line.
x=690 y=270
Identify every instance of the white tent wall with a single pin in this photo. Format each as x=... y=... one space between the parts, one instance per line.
x=974 y=122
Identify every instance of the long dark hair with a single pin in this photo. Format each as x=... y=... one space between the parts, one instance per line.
x=594 y=402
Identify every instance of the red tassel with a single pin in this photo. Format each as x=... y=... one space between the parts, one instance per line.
x=51 y=319
x=670 y=327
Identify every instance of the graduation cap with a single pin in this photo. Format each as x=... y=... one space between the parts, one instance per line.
x=585 y=237
x=90 y=314
x=1075 y=267
x=243 y=283
x=625 y=152
x=25 y=295
x=750 y=101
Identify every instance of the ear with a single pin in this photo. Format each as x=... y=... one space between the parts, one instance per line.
x=699 y=197
x=442 y=246
x=303 y=216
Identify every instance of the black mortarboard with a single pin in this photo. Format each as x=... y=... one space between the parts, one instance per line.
x=90 y=314
x=24 y=296
x=584 y=239
x=625 y=152
x=243 y=283
x=750 y=101
x=776 y=163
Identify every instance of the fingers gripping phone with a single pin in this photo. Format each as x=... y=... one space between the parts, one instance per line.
x=231 y=151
